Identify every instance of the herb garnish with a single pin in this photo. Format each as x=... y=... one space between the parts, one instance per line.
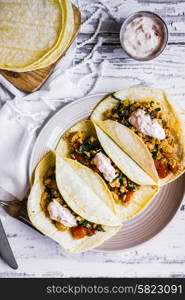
x=116 y=98
x=100 y=228
x=131 y=186
x=154 y=153
x=85 y=223
x=120 y=177
x=87 y=146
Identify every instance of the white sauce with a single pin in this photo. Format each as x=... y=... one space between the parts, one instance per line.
x=61 y=214
x=103 y=164
x=142 y=37
x=144 y=123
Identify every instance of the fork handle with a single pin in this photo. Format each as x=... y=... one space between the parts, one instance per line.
x=14 y=207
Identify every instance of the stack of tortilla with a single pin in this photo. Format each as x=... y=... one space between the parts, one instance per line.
x=34 y=34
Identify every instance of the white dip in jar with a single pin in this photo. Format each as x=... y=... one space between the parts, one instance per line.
x=142 y=37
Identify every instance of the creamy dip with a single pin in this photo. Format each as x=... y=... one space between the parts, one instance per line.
x=142 y=37
x=61 y=214
x=103 y=164
x=145 y=124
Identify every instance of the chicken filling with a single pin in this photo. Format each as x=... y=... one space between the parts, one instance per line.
x=88 y=151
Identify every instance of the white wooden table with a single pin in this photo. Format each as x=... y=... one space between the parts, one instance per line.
x=164 y=256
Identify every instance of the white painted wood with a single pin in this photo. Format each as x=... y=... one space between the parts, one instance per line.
x=164 y=256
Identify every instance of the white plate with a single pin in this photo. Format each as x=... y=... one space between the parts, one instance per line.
x=151 y=220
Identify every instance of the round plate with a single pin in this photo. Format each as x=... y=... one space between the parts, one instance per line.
x=145 y=225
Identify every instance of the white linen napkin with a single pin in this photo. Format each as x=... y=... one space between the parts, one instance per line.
x=16 y=141
x=20 y=119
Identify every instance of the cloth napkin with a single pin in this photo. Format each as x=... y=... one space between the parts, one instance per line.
x=20 y=119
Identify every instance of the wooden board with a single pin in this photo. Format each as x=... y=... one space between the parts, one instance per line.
x=29 y=82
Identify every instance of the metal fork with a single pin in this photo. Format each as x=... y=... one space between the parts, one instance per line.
x=17 y=209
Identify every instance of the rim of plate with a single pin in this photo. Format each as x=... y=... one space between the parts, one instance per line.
x=151 y=209
x=50 y=120
x=151 y=238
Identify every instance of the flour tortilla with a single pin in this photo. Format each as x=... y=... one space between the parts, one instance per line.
x=126 y=164
x=85 y=192
x=32 y=32
x=43 y=223
x=132 y=142
x=63 y=41
x=132 y=145
x=141 y=197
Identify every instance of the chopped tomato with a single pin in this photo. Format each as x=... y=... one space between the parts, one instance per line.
x=76 y=146
x=175 y=169
x=162 y=170
x=95 y=169
x=128 y=196
x=79 y=232
x=90 y=232
x=80 y=158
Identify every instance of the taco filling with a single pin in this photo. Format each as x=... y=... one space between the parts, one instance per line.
x=88 y=151
x=148 y=121
x=56 y=209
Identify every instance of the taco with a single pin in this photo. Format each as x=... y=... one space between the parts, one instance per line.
x=53 y=216
x=81 y=143
x=144 y=124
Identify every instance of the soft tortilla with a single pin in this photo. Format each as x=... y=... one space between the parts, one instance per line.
x=85 y=192
x=142 y=94
x=32 y=32
x=122 y=160
x=132 y=144
x=43 y=224
x=63 y=42
x=142 y=197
